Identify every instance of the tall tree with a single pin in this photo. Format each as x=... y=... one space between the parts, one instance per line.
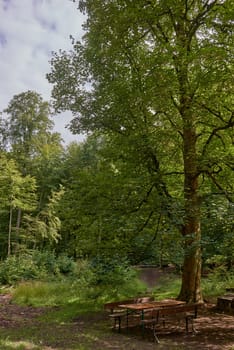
x=27 y=123
x=159 y=74
x=47 y=166
x=27 y=135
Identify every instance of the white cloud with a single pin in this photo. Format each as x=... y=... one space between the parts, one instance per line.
x=29 y=31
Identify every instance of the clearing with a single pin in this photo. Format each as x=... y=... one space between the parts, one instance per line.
x=25 y=329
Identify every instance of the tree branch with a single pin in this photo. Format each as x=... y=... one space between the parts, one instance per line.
x=216 y=183
x=215 y=131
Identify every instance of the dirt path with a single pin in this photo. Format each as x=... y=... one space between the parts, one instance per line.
x=214 y=331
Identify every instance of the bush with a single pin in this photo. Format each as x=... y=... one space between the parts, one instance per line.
x=217 y=282
x=35 y=265
x=112 y=270
x=114 y=276
x=66 y=265
x=15 y=268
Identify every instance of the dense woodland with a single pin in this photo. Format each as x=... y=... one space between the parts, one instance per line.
x=151 y=84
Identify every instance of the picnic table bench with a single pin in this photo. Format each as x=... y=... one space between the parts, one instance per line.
x=184 y=312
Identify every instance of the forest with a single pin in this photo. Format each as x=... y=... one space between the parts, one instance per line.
x=151 y=86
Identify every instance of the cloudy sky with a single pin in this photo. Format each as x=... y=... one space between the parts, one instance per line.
x=29 y=31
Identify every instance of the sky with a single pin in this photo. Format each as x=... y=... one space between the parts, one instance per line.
x=29 y=31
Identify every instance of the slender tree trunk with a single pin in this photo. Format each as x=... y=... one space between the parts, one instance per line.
x=18 y=222
x=9 y=232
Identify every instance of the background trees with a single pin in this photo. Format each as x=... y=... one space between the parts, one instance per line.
x=30 y=158
x=159 y=76
x=17 y=193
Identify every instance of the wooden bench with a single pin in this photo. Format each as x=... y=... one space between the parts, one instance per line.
x=186 y=312
x=117 y=315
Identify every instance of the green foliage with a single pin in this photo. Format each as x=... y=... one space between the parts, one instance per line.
x=156 y=79
x=86 y=287
x=27 y=120
x=45 y=226
x=35 y=265
x=31 y=173
x=84 y=293
x=14 y=269
x=217 y=281
x=66 y=265
x=17 y=191
x=218 y=226
x=111 y=270
x=115 y=275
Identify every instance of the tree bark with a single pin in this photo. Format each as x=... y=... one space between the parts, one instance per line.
x=191 y=231
x=191 y=275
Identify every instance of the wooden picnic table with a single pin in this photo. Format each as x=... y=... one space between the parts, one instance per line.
x=153 y=305
x=160 y=311
x=143 y=308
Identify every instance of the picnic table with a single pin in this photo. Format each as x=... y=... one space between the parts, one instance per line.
x=151 y=305
x=152 y=313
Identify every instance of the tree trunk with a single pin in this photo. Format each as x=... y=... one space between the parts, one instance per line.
x=9 y=232
x=18 y=222
x=191 y=275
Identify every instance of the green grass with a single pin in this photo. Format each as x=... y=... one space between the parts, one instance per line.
x=71 y=294
x=38 y=293
x=212 y=286
x=216 y=283
x=68 y=291
x=18 y=345
x=168 y=287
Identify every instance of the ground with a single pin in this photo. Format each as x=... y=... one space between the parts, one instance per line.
x=214 y=331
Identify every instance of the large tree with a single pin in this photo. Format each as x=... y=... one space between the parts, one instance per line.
x=26 y=126
x=159 y=74
x=27 y=135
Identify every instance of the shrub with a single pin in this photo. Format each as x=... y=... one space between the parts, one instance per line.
x=16 y=268
x=114 y=276
x=66 y=265
x=35 y=265
x=217 y=282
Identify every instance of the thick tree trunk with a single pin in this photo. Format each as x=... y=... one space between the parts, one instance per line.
x=191 y=276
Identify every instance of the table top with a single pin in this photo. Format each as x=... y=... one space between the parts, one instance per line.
x=152 y=304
